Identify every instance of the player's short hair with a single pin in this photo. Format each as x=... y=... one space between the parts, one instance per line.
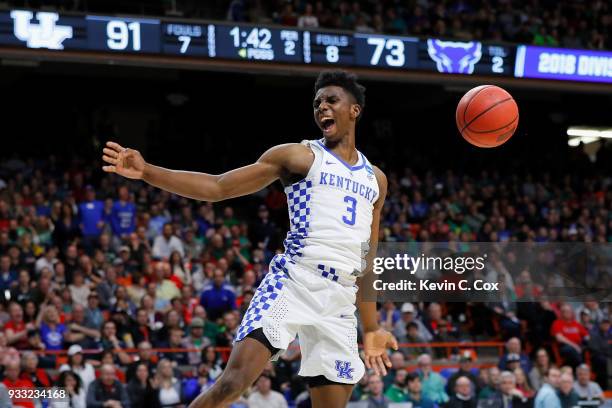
x=346 y=81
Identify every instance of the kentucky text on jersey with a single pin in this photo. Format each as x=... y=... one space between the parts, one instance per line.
x=348 y=185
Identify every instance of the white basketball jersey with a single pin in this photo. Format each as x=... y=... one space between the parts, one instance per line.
x=330 y=213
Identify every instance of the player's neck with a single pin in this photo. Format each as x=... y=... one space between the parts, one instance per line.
x=344 y=149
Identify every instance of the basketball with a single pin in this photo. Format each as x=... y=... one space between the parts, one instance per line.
x=487 y=116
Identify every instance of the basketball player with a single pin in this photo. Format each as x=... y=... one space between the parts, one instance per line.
x=335 y=197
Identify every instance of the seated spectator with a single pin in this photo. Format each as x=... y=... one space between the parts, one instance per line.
x=77 y=394
x=264 y=396
x=433 y=383
x=415 y=392
x=170 y=392
x=396 y=392
x=109 y=341
x=8 y=275
x=492 y=386
x=165 y=288
x=77 y=365
x=547 y=395
x=77 y=331
x=540 y=368
x=570 y=336
x=398 y=362
x=218 y=297
x=13 y=382
x=601 y=350
x=79 y=289
x=16 y=329
x=374 y=396
x=7 y=354
x=106 y=289
x=179 y=271
x=567 y=394
x=107 y=391
x=141 y=328
x=228 y=331
x=508 y=395
x=52 y=332
x=522 y=383
x=93 y=314
x=465 y=370
x=408 y=316
x=586 y=388
x=308 y=19
x=463 y=396
x=513 y=347
x=195 y=340
x=30 y=371
x=175 y=341
x=142 y=389
x=212 y=359
x=166 y=243
x=145 y=355
x=22 y=292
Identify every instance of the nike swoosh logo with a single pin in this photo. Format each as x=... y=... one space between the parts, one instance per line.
x=328 y=162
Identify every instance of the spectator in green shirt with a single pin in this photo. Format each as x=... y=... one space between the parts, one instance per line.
x=433 y=383
x=415 y=393
x=397 y=391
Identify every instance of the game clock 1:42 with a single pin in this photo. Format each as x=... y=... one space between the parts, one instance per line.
x=257 y=43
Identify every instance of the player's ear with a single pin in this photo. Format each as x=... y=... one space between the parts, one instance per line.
x=355 y=111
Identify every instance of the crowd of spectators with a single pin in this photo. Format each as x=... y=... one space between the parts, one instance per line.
x=572 y=24
x=134 y=294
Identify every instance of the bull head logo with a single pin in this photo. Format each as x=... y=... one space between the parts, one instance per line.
x=453 y=57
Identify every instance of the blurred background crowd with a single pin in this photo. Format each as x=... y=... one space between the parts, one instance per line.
x=134 y=295
x=571 y=24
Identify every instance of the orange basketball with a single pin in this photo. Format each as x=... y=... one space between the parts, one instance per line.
x=487 y=116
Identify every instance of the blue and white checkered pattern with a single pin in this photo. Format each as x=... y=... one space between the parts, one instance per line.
x=264 y=298
x=328 y=273
x=298 y=198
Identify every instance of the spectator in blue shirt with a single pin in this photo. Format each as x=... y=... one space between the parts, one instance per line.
x=51 y=330
x=8 y=276
x=123 y=215
x=91 y=215
x=219 y=297
x=514 y=353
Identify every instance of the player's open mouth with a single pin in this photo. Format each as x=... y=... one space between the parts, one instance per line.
x=327 y=124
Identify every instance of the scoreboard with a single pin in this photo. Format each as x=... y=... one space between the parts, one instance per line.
x=230 y=41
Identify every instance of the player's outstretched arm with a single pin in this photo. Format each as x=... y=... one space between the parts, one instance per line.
x=290 y=158
x=376 y=339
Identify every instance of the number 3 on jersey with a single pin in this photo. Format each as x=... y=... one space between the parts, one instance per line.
x=352 y=208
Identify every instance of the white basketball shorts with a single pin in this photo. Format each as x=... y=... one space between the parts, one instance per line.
x=292 y=300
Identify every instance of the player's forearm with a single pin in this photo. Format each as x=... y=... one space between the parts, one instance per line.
x=369 y=317
x=199 y=186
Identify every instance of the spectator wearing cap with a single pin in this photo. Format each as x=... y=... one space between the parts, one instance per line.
x=433 y=383
x=409 y=315
x=265 y=397
x=218 y=297
x=93 y=314
x=462 y=395
x=512 y=354
x=91 y=217
x=465 y=370
x=584 y=387
x=570 y=335
x=123 y=214
x=107 y=391
x=196 y=340
x=166 y=243
x=77 y=364
x=547 y=395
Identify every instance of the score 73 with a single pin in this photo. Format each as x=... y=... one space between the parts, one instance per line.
x=395 y=57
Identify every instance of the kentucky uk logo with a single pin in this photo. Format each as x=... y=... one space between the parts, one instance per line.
x=344 y=369
x=45 y=34
x=453 y=57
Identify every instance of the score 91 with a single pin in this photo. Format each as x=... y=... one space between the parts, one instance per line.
x=119 y=33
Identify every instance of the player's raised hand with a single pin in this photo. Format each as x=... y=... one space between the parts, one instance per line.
x=375 y=345
x=123 y=161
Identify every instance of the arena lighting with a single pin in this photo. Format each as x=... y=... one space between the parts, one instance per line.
x=586 y=135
